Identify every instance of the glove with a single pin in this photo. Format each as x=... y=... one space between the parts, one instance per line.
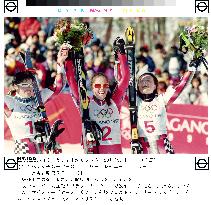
x=39 y=126
x=194 y=65
x=63 y=53
x=95 y=132
x=55 y=132
x=119 y=45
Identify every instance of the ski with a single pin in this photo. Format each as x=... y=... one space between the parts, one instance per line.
x=47 y=134
x=116 y=66
x=91 y=132
x=136 y=147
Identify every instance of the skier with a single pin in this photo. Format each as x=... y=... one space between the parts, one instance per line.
x=152 y=110
x=21 y=112
x=104 y=107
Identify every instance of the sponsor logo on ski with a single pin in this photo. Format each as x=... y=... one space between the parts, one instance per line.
x=84 y=99
x=130 y=63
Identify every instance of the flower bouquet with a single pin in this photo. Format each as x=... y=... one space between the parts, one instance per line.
x=194 y=38
x=199 y=36
x=75 y=34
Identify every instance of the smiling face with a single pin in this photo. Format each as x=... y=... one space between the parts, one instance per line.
x=100 y=87
x=25 y=88
x=146 y=84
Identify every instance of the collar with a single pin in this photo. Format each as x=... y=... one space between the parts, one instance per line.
x=99 y=102
x=23 y=100
x=148 y=97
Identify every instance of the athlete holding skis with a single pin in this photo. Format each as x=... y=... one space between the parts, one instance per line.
x=104 y=107
x=152 y=110
x=21 y=111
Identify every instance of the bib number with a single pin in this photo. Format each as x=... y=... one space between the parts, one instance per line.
x=149 y=127
x=107 y=133
x=30 y=124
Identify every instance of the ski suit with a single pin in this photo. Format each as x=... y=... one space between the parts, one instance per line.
x=152 y=118
x=107 y=117
x=21 y=114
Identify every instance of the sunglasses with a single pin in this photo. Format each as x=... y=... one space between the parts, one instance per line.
x=106 y=85
x=25 y=85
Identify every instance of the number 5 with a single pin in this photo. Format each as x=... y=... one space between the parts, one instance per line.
x=149 y=127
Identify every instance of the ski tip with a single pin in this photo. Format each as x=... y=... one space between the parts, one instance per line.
x=28 y=58
x=130 y=35
x=21 y=57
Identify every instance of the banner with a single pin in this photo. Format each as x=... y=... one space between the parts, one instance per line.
x=187 y=124
x=188 y=128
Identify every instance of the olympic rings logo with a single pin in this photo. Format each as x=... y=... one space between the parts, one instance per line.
x=104 y=113
x=27 y=108
x=148 y=108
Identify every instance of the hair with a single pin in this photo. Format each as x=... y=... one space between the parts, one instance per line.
x=96 y=42
x=109 y=95
x=144 y=49
x=21 y=76
x=205 y=75
x=35 y=35
x=196 y=78
x=164 y=83
x=142 y=59
x=155 y=92
x=159 y=46
x=174 y=50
